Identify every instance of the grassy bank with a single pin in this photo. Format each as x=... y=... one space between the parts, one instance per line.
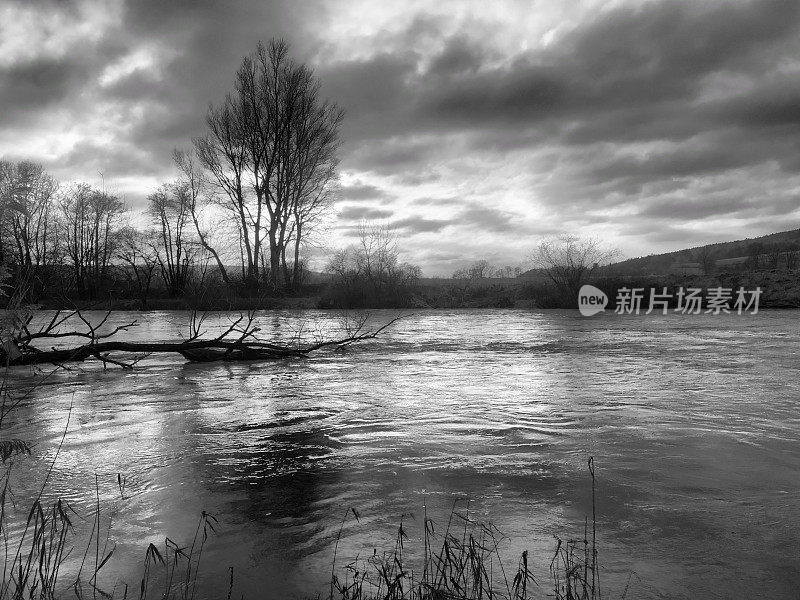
x=780 y=289
x=463 y=562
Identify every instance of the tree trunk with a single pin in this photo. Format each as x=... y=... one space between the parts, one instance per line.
x=296 y=267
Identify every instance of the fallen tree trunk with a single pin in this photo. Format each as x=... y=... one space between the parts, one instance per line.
x=237 y=343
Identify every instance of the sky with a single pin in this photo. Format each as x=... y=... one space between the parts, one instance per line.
x=473 y=129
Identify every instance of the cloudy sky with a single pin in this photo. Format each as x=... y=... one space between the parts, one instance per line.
x=475 y=129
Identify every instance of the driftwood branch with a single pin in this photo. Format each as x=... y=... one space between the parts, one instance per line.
x=239 y=342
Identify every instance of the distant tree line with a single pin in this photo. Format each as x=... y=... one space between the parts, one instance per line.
x=481 y=269
x=47 y=231
x=773 y=255
x=77 y=240
x=369 y=273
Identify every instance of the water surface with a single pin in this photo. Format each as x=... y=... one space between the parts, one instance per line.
x=692 y=420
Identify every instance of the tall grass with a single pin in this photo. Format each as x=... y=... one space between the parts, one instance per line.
x=179 y=566
x=463 y=563
x=574 y=565
x=35 y=557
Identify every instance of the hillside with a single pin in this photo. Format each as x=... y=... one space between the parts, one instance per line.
x=759 y=251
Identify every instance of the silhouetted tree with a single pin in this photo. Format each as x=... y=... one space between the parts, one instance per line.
x=370 y=273
x=176 y=252
x=197 y=186
x=271 y=149
x=569 y=261
x=90 y=218
x=28 y=235
x=483 y=269
x=508 y=272
x=139 y=261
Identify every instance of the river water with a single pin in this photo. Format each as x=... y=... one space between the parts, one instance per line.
x=693 y=422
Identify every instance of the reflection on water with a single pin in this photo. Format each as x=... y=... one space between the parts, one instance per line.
x=692 y=421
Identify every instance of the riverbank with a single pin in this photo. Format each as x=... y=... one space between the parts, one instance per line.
x=779 y=289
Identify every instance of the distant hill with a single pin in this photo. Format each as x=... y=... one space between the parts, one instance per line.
x=761 y=250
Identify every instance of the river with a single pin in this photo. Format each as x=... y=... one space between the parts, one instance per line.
x=693 y=422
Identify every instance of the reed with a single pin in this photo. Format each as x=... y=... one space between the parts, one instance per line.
x=574 y=567
x=173 y=573
x=34 y=559
x=463 y=563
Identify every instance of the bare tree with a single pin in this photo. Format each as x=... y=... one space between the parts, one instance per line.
x=170 y=208
x=507 y=272
x=754 y=251
x=370 y=272
x=270 y=149
x=310 y=163
x=774 y=252
x=792 y=256
x=706 y=257
x=376 y=257
x=569 y=261
x=139 y=261
x=90 y=218
x=308 y=211
x=27 y=209
x=481 y=269
x=477 y=270
x=197 y=186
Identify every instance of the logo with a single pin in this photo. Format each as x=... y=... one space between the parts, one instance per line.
x=591 y=300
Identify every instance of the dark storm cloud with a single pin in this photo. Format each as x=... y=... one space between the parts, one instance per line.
x=663 y=50
x=139 y=85
x=662 y=233
x=417 y=176
x=39 y=84
x=514 y=94
x=446 y=202
x=359 y=213
x=490 y=219
x=774 y=105
x=459 y=56
x=201 y=46
x=356 y=192
x=707 y=156
x=113 y=160
x=682 y=209
x=720 y=205
x=394 y=155
x=416 y=224
x=632 y=74
x=371 y=90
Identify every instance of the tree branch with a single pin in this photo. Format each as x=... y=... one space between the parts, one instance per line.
x=236 y=343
